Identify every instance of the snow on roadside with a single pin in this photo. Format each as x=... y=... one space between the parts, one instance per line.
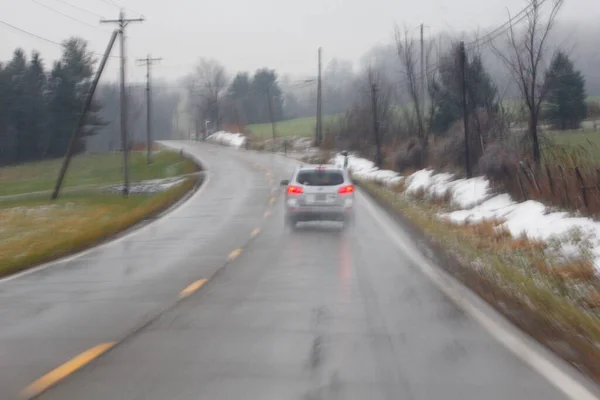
x=366 y=170
x=228 y=139
x=475 y=202
x=148 y=187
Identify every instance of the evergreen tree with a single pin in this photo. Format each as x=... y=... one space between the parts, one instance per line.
x=17 y=107
x=36 y=133
x=265 y=88
x=240 y=98
x=566 y=106
x=481 y=91
x=69 y=82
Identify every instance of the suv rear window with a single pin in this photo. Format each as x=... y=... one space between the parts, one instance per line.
x=320 y=178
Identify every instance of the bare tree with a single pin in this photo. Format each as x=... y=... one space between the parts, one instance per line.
x=377 y=97
x=206 y=86
x=525 y=57
x=418 y=116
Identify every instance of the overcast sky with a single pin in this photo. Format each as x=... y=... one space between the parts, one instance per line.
x=246 y=35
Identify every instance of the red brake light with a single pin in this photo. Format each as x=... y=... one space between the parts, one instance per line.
x=295 y=190
x=346 y=189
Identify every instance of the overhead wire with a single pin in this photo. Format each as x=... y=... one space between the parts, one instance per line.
x=491 y=36
x=43 y=38
x=67 y=15
x=487 y=38
x=121 y=6
x=80 y=8
x=30 y=34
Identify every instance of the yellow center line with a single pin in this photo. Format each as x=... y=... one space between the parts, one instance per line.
x=234 y=254
x=272 y=200
x=192 y=288
x=255 y=233
x=267 y=213
x=64 y=370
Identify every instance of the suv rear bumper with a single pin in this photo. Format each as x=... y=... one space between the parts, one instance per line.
x=319 y=213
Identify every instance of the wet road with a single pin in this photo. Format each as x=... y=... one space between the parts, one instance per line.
x=315 y=314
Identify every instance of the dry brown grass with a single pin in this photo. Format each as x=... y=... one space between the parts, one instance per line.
x=517 y=266
x=444 y=199
x=592 y=300
x=579 y=270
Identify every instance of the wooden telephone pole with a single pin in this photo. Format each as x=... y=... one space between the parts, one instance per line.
x=319 y=130
x=147 y=62
x=123 y=22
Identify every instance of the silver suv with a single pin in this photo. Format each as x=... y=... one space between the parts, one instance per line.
x=319 y=193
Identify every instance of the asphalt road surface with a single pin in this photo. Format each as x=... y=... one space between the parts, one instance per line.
x=218 y=300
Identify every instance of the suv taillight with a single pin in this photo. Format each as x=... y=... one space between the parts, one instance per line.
x=295 y=190
x=346 y=189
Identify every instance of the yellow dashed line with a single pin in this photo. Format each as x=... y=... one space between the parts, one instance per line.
x=271 y=200
x=192 y=288
x=267 y=213
x=64 y=370
x=234 y=254
x=255 y=233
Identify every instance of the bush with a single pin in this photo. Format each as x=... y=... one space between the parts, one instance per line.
x=410 y=158
x=498 y=160
x=449 y=151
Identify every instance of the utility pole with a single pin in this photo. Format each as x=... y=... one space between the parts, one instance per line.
x=378 y=156
x=123 y=22
x=463 y=74
x=319 y=131
x=81 y=120
x=269 y=99
x=148 y=61
x=422 y=72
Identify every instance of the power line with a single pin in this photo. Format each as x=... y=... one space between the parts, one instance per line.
x=30 y=34
x=43 y=38
x=490 y=36
x=487 y=38
x=120 y=6
x=80 y=8
x=66 y=15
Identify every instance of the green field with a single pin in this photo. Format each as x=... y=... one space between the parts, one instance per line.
x=90 y=170
x=584 y=145
x=291 y=127
x=306 y=126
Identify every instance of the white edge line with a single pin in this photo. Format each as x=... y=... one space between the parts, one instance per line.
x=118 y=239
x=451 y=288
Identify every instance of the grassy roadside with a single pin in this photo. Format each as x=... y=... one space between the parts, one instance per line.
x=38 y=231
x=35 y=229
x=556 y=303
x=86 y=169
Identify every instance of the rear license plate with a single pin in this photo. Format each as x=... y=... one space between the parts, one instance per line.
x=320 y=198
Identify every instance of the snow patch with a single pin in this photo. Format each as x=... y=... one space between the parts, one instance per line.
x=228 y=139
x=367 y=170
x=475 y=203
x=148 y=187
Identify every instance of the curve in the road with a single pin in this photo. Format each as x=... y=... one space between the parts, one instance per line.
x=51 y=315
x=314 y=314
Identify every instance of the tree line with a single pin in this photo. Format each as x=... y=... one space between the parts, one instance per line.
x=39 y=106
x=214 y=99
x=422 y=113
